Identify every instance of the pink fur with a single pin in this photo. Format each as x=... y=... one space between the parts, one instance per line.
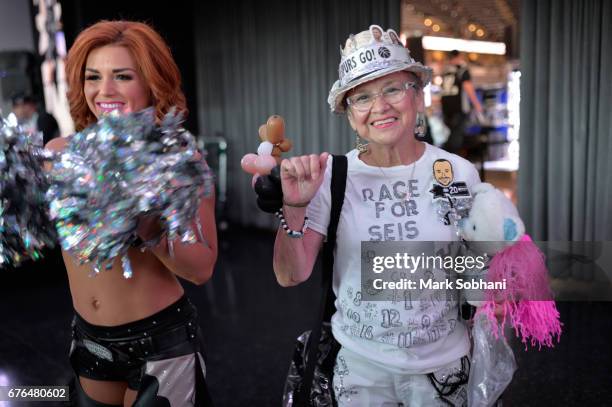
x=526 y=301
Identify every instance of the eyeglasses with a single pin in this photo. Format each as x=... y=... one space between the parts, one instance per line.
x=393 y=93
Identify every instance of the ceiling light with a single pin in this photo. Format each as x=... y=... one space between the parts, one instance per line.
x=472 y=27
x=480 y=32
x=436 y=27
x=449 y=44
x=438 y=55
x=428 y=22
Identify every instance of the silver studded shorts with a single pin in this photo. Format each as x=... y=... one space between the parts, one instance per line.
x=164 y=351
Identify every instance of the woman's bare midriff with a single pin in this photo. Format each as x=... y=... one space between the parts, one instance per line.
x=109 y=299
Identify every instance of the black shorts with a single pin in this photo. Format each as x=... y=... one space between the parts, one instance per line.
x=164 y=350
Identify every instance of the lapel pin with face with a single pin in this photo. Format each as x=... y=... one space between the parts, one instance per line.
x=452 y=197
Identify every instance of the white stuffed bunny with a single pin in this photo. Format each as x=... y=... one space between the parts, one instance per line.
x=492 y=217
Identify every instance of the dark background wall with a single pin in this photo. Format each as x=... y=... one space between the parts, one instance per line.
x=15 y=27
x=566 y=127
x=18 y=67
x=269 y=57
x=244 y=61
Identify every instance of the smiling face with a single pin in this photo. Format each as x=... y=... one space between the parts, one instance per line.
x=387 y=124
x=113 y=82
x=443 y=172
x=377 y=34
x=394 y=38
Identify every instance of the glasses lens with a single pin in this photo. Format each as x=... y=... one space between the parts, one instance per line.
x=361 y=101
x=394 y=93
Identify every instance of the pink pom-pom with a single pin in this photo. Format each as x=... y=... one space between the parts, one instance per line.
x=527 y=299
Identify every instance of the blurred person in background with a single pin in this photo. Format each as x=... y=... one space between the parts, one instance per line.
x=26 y=111
x=458 y=99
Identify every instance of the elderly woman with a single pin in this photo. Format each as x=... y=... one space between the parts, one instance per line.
x=411 y=353
x=135 y=341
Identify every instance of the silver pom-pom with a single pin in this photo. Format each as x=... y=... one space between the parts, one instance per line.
x=25 y=227
x=122 y=168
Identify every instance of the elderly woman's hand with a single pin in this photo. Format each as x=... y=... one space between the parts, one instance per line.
x=301 y=178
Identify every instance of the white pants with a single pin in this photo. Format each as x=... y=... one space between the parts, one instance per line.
x=358 y=382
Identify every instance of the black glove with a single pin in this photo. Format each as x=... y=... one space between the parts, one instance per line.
x=269 y=191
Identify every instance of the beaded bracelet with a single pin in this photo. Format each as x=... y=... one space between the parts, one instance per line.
x=291 y=233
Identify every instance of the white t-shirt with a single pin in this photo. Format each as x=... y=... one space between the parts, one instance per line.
x=410 y=335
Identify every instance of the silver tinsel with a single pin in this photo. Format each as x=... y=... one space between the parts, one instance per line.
x=25 y=227
x=453 y=209
x=122 y=168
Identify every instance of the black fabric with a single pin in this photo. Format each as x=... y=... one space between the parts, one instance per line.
x=48 y=125
x=457 y=124
x=121 y=352
x=338 y=187
x=455 y=118
x=452 y=90
x=147 y=394
x=172 y=315
x=149 y=389
x=269 y=191
x=321 y=392
x=203 y=397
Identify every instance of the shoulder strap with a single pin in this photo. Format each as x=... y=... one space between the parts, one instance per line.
x=326 y=309
x=338 y=187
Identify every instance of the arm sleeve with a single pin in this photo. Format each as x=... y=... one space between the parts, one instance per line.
x=472 y=177
x=318 y=210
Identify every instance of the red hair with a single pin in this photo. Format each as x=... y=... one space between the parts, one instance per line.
x=153 y=59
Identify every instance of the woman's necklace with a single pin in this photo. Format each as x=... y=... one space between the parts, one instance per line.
x=409 y=194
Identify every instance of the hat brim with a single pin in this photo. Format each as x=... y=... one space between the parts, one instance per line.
x=337 y=92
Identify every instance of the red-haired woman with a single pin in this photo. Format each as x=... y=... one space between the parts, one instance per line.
x=135 y=341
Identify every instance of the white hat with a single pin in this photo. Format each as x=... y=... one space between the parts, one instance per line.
x=367 y=56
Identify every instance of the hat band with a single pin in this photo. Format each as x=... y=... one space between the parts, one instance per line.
x=372 y=68
x=370 y=59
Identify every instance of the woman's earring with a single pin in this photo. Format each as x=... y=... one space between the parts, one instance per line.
x=361 y=147
x=420 y=127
